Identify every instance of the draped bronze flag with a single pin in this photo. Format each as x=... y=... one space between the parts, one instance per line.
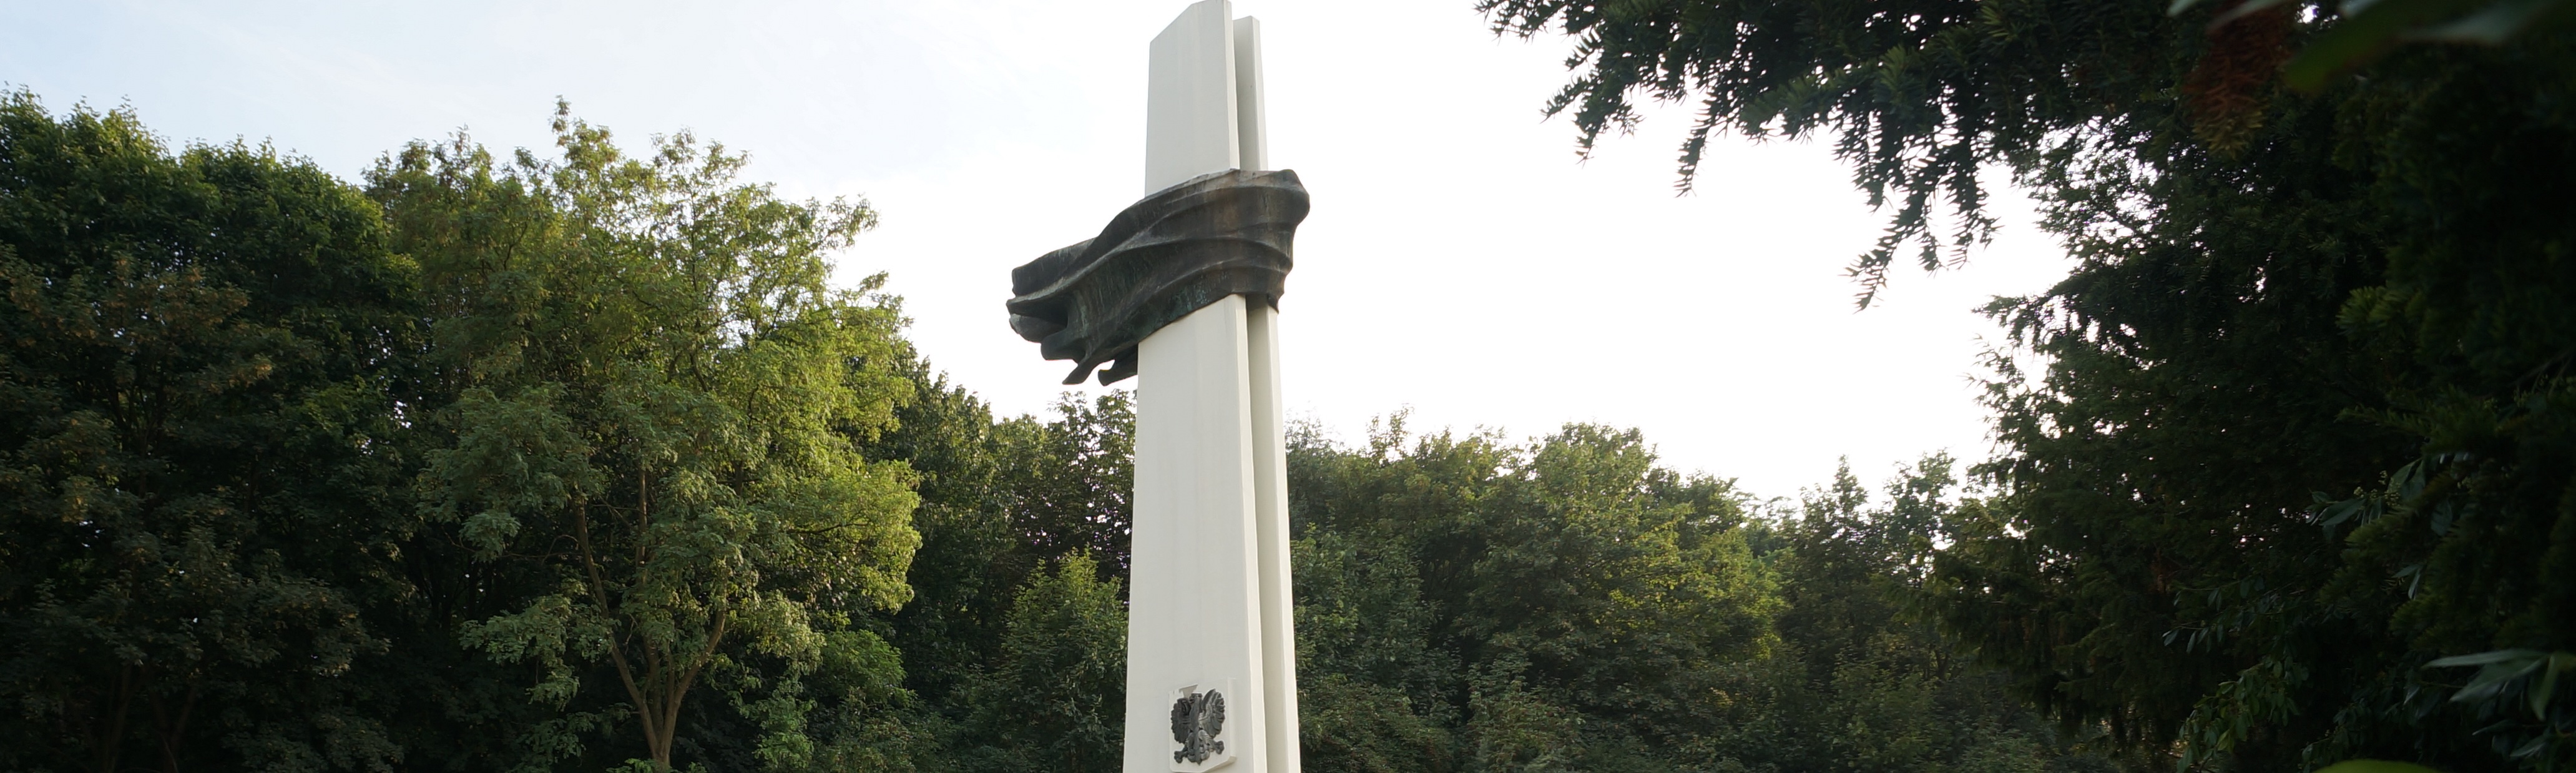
x=1169 y=254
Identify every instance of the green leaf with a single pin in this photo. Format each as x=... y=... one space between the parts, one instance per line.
x=2483 y=658
x=2241 y=10
x=2549 y=682
x=2500 y=668
x=2492 y=25
x=2370 y=27
x=2244 y=9
x=2353 y=39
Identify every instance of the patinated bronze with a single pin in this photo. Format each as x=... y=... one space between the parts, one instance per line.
x=1197 y=719
x=1169 y=254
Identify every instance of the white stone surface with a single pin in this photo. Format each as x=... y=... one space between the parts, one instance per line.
x=1252 y=146
x=1209 y=597
x=1270 y=508
x=1194 y=609
x=1190 y=113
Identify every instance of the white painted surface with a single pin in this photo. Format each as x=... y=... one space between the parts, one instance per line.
x=1270 y=526
x=1252 y=145
x=1194 y=609
x=1209 y=602
x=1189 y=98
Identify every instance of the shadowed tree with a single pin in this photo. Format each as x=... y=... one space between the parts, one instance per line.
x=2302 y=421
x=201 y=355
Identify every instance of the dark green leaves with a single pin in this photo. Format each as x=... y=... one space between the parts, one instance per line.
x=199 y=452
x=2535 y=672
x=2284 y=283
x=2366 y=28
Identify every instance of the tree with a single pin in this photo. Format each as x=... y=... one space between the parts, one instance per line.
x=1865 y=680
x=200 y=484
x=1056 y=697
x=655 y=398
x=1069 y=490
x=963 y=573
x=1001 y=502
x=1561 y=603
x=2299 y=430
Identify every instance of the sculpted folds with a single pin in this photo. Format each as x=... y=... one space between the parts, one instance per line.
x=1167 y=255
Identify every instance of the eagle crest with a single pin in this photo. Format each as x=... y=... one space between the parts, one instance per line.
x=1196 y=720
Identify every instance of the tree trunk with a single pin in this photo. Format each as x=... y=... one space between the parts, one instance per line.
x=170 y=731
x=105 y=745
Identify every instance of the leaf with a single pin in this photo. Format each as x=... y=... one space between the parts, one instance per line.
x=2244 y=9
x=2367 y=27
x=2537 y=743
x=2492 y=25
x=2408 y=480
x=2331 y=515
x=2241 y=10
x=2492 y=679
x=2549 y=682
x=2482 y=658
x=2496 y=670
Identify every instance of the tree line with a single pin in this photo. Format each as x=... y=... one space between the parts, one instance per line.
x=2287 y=473
x=577 y=460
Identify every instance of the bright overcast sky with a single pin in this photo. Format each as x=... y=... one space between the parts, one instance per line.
x=1460 y=259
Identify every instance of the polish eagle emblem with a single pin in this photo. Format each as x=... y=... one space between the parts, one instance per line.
x=1196 y=720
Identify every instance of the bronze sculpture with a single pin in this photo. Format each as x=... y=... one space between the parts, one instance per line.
x=1169 y=254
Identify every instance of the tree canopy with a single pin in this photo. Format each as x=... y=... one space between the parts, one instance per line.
x=198 y=449
x=578 y=460
x=650 y=405
x=2299 y=431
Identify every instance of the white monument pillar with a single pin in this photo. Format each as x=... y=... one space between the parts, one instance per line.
x=1209 y=606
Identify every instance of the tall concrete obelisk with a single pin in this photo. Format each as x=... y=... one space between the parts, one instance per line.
x=1181 y=291
x=1209 y=606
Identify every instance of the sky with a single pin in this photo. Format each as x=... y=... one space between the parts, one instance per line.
x=1462 y=261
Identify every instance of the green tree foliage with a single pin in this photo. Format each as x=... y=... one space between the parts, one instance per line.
x=1527 y=603
x=1565 y=603
x=200 y=496
x=1069 y=485
x=962 y=575
x=2301 y=424
x=1054 y=697
x=1468 y=605
x=579 y=463
x=655 y=398
x=1875 y=685
x=1002 y=501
